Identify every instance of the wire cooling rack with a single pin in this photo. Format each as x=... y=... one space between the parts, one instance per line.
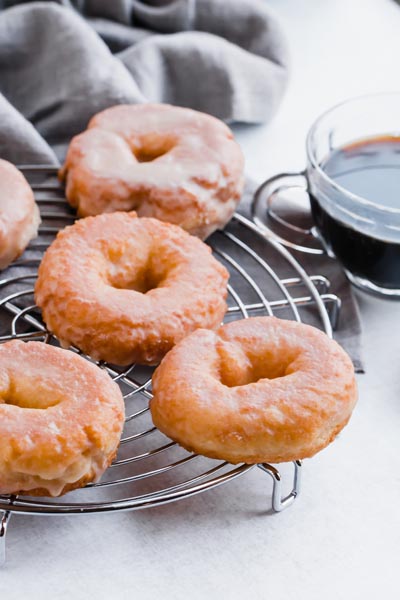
x=150 y=469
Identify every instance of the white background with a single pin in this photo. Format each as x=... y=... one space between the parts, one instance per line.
x=341 y=539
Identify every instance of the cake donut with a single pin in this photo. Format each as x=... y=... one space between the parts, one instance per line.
x=61 y=419
x=19 y=214
x=125 y=289
x=175 y=164
x=256 y=390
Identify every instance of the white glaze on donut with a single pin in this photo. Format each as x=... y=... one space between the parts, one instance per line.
x=256 y=390
x=61 y=419
x=19 y=213
x=124 y=289
x=175 y=164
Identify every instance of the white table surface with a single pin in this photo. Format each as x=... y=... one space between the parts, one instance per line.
x=341 y=538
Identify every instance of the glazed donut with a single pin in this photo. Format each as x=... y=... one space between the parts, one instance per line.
x=19 y=214
x=124 y=289
x=257 y=390
x=61 y=419
x=175 y=164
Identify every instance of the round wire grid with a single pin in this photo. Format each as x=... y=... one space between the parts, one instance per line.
x=150 y=469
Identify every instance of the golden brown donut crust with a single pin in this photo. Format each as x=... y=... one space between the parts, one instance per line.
x=256 y=390
x=175 y=164
x=61 y=419
x=19 y=214
x=124 y=289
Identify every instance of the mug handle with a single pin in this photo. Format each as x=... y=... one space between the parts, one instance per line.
x=262 y=207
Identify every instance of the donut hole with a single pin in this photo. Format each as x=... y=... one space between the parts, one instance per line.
x=31 y=392
x=241 y=366
x=144 y=277
x=143 y=282
x=152 y=147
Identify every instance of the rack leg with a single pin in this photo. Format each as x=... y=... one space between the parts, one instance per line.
x=4 y=520
x=278 y=502
x=334 y=304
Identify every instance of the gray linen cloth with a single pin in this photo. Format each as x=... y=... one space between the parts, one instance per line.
x=61 y=62
x=56 y=71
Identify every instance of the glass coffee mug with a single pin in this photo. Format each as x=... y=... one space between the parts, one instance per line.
x=353 y=182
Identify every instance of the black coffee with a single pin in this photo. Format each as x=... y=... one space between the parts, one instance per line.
x=370 y=169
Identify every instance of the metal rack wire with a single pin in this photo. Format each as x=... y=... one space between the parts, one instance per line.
x=151 y=469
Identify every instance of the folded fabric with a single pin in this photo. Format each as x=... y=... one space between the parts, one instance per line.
x=225 y=58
